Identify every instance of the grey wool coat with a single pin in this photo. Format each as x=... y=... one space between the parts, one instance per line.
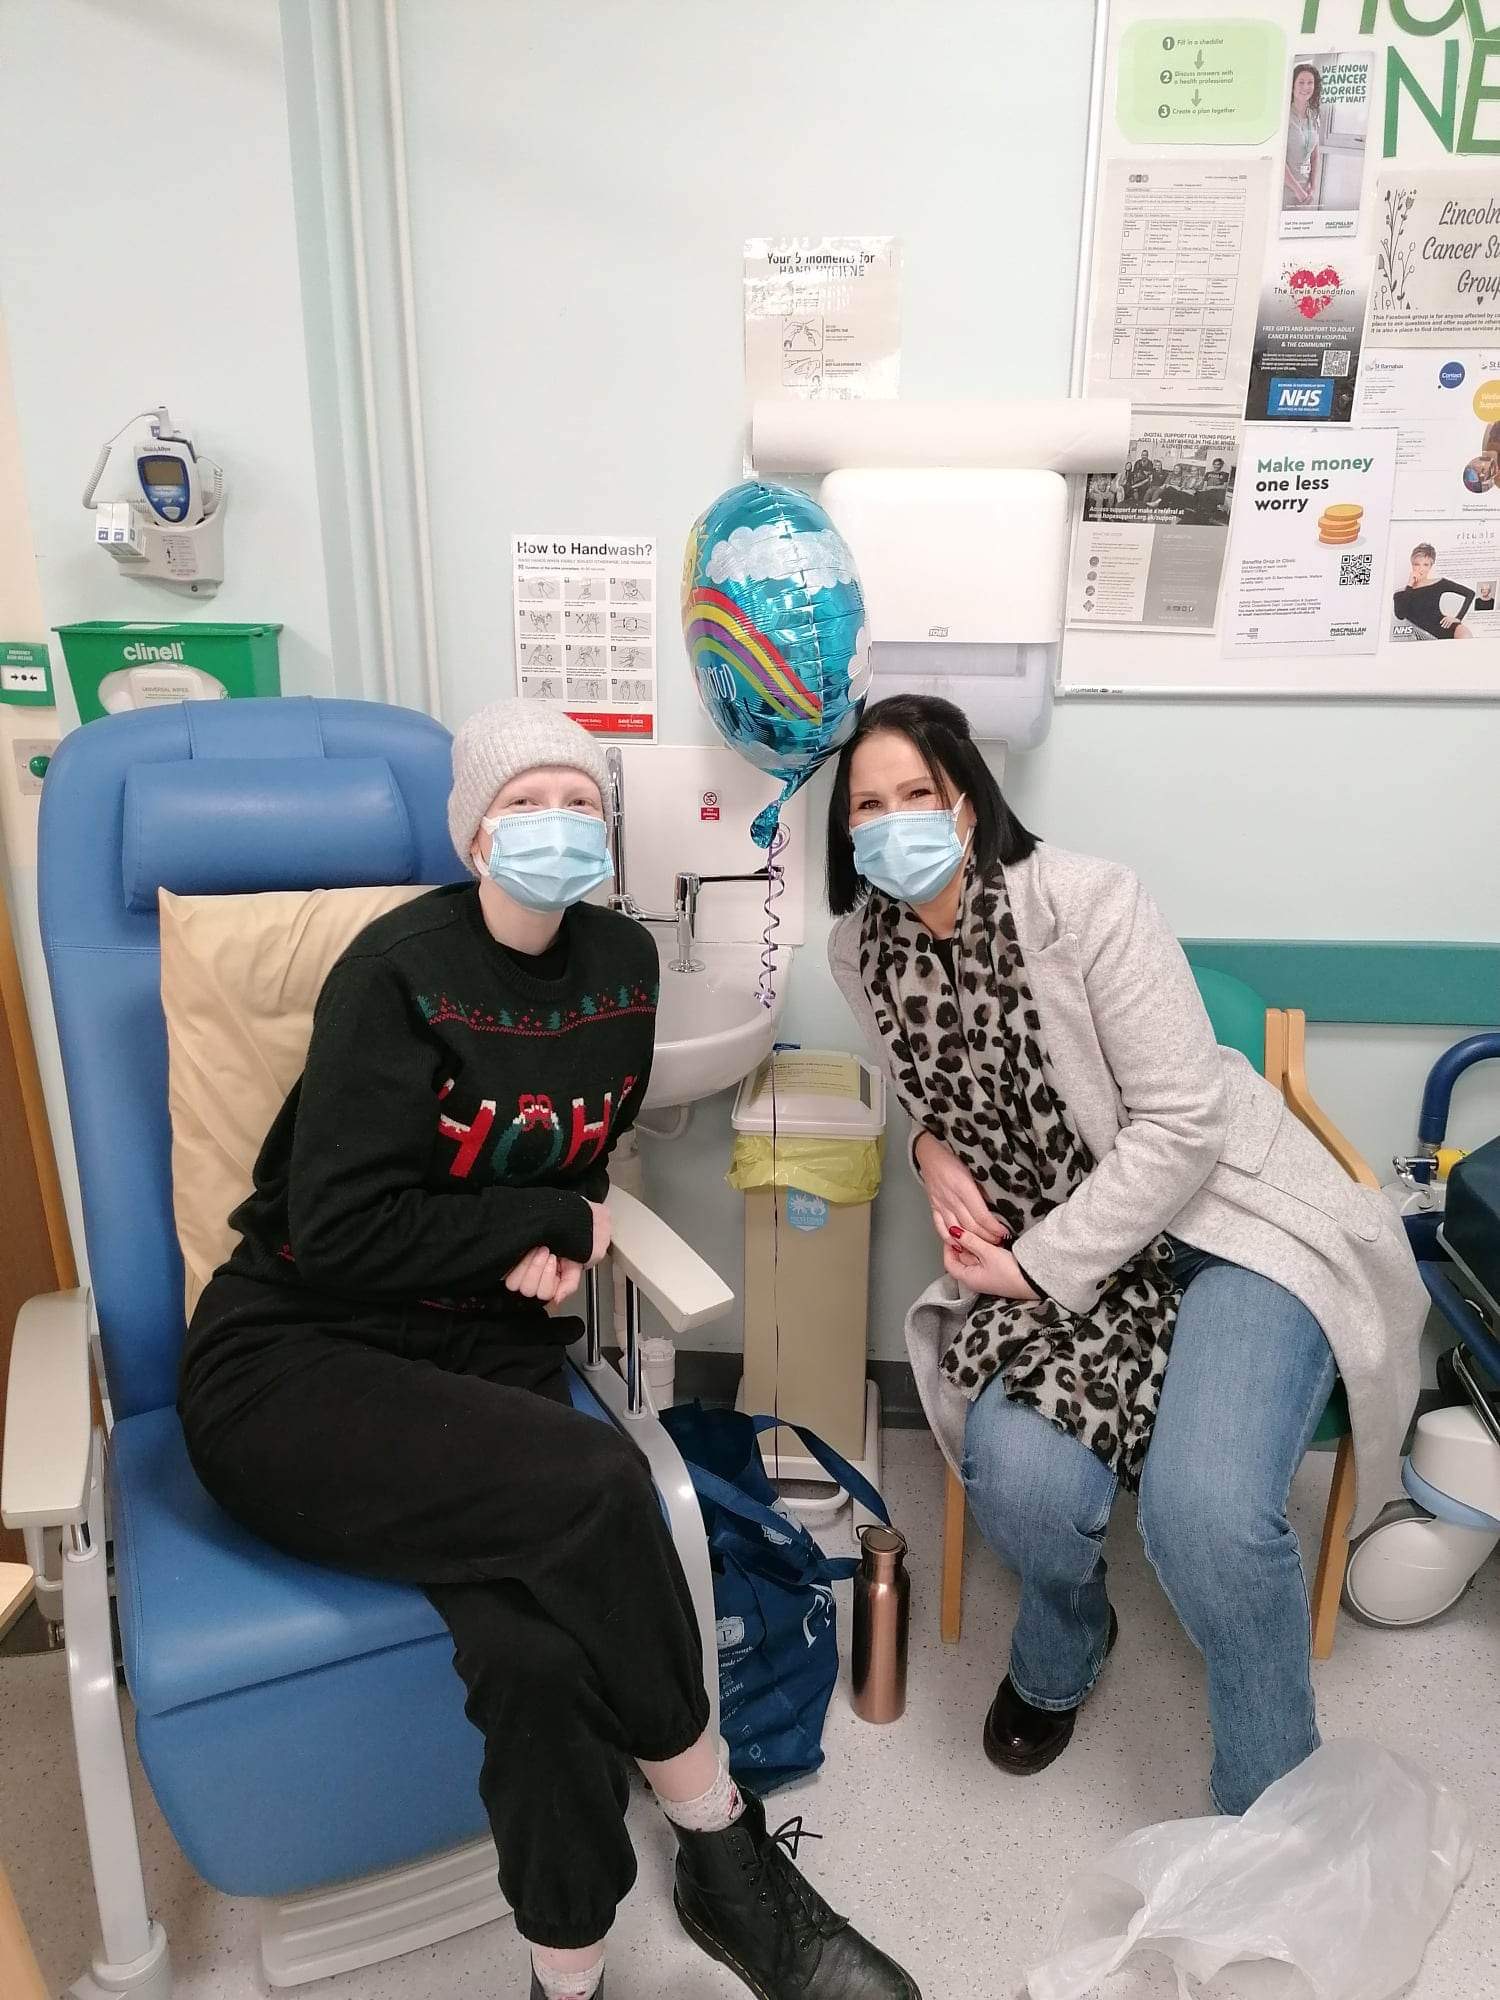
x=1186 y=1137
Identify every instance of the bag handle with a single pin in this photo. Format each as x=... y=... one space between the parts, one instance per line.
x=838 y=1468
x=724 y=1493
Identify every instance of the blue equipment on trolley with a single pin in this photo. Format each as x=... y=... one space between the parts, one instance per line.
x=1422 y=1554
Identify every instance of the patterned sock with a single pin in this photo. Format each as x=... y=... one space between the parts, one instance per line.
x=566 y=1985
x=719 y=1807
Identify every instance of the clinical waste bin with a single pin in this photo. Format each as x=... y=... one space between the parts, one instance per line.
x=810 y=1129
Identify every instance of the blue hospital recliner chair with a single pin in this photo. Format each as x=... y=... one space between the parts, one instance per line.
x=303 y=1730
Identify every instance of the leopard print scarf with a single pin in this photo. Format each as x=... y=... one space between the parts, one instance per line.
x=970 y=1066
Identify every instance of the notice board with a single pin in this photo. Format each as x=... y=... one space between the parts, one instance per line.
x=1291 y=268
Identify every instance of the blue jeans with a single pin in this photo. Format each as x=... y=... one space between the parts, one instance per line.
x=1247 y=1380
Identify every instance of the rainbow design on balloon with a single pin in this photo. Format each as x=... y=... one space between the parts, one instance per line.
x=716 y=627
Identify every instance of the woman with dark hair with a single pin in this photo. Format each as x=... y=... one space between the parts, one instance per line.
x=1109 y=1188
x=1304 y=139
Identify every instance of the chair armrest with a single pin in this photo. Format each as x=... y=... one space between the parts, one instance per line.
x=1304 y=1105
x=685 y=1290
x=49 y=1415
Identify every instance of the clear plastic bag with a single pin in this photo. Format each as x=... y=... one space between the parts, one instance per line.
x=1327 y=1889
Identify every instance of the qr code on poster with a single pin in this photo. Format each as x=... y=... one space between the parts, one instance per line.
x=1335 y=362
x=1357 y=568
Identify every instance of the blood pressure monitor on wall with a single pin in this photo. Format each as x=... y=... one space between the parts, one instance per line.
x=166 y=524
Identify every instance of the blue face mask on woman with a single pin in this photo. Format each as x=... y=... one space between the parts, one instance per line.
x=910 y=855
x=547 y=860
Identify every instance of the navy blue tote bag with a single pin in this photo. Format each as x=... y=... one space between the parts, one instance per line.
x=773 y=1593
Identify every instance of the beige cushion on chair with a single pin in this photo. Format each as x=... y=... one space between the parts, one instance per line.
x=239 y=979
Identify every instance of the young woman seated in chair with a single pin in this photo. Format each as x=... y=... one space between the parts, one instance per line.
x=1151 y=1269
x=372 y=1381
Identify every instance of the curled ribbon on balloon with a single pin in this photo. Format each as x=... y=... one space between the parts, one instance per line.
x=774 y=621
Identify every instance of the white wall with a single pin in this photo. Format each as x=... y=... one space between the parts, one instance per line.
x=147 y=254
x=582 y=179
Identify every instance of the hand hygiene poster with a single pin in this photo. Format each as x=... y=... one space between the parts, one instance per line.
x=1295 y=261
x=822 y=317
x=1308 y=551
x=586 y=611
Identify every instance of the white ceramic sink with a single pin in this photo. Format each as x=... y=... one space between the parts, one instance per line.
x=710 y=1028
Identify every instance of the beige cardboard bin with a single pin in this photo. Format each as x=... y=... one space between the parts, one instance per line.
x=807 y=1247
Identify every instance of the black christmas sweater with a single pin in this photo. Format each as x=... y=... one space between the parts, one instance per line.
x=457 y=1109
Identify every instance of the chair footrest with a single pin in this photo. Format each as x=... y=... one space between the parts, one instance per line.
x=353 y=1924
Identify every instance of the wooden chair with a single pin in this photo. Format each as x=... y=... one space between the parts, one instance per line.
x=1275 y=1039
x=20 y=1975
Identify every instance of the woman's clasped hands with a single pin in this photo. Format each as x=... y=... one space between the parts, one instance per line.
x=974 y=1240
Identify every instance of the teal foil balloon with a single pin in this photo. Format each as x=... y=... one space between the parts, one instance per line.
x=774 y=621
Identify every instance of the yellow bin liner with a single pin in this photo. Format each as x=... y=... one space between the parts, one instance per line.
x=812 y=1119
x=840 y=1170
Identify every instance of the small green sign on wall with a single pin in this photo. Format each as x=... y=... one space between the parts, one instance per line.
x=25 y=674
x=1200 y=83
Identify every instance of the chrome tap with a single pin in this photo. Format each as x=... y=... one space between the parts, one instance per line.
x=687 y=889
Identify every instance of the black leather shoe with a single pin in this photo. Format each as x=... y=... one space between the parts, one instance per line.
x=538 y=1994
x=740 y=1896
x=1024 y=1740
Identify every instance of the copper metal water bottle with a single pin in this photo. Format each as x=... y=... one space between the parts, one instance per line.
x=882 y=1607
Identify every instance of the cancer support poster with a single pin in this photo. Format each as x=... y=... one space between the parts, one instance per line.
x=1437 y=259
x=1307 y=337
x=586 y=616
x=1445 y=404
x=1308 y=541
x=1150 y=544
x=1328 y=109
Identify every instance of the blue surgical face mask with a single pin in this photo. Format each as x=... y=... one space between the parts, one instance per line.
x=910 y=855
x=547 y=860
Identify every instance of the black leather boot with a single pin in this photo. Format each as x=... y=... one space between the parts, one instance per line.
x=740 y=1896
x=538 y=1994
x=1024 y=1740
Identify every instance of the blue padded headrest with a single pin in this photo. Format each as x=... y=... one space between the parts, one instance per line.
x=228 y=826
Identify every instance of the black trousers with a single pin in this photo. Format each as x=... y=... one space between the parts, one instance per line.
x=447 y=1454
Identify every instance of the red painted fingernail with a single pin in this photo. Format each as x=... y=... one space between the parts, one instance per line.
x=954 y=1230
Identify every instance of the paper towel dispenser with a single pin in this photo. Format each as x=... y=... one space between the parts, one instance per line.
x=962 y=572
x=957 y=516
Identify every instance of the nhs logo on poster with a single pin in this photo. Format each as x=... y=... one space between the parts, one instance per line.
x=1295 y=396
